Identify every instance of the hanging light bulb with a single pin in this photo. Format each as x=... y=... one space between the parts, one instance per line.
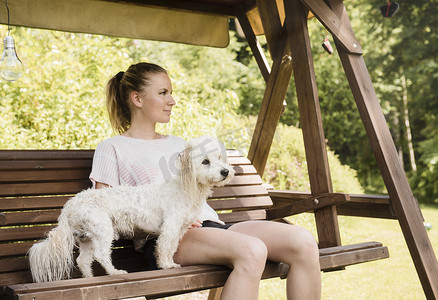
x=11 y=67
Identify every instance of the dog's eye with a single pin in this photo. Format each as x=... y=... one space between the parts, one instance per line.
x=205 y=162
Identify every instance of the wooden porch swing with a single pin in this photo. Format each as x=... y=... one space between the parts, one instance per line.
x=34 y=184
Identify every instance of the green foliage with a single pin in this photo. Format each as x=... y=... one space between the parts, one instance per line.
x=58 y=101
x=426 y=180
x=287 y=167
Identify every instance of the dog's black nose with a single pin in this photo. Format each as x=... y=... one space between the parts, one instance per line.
x=225 y=172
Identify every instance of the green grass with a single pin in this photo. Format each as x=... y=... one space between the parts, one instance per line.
x=392 y=278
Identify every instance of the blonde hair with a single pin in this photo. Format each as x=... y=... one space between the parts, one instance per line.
x=119 y=89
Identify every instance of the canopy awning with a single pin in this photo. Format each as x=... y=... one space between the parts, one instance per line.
x=196 y=22
x=132 y=20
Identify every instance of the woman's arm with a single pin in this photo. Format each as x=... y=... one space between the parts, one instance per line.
x=100 y=185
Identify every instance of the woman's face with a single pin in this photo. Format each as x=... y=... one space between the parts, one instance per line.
x=157 y=100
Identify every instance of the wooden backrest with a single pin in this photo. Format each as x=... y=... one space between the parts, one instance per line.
x=35 y=184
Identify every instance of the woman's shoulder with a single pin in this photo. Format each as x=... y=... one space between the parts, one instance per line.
x=175 y=139
x=110 y=142
x=123 y=141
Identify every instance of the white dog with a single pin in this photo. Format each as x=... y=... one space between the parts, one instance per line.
x=95 y=217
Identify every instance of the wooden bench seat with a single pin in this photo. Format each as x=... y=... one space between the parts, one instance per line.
x=35 y=184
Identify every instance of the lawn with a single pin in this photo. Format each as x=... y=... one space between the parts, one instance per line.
x=392 y=278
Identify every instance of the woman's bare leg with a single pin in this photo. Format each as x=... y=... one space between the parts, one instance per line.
x=293 y=245
x=244 y=254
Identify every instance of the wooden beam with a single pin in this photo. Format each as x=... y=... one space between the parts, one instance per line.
x=334 y=24
x=215 y=294
x=311 y=122
x=253 y=43
x=270 y=111
x=272 y=28
x=276 y=88
x=369 y=206
x=309 y=204
x=405 y=205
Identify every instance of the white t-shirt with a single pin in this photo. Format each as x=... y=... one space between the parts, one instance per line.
x=124 y=160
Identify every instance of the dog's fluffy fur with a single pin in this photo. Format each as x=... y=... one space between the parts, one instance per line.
x=95 y=217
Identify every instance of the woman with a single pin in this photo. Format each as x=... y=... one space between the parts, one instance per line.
x=137 y=100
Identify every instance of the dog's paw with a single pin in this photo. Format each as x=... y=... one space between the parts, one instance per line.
x=118 y=272
x=169 y=265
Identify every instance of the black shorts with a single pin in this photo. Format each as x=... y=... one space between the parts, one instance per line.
x=149 y=247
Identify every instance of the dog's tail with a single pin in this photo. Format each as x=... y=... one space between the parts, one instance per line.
x=52 y=258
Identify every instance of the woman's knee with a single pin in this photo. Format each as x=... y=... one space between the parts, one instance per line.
x=251 y=256
x=303 y=245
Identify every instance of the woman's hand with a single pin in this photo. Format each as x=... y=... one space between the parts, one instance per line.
x=196 y=224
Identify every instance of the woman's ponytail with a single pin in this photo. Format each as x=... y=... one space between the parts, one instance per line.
x=118 y=108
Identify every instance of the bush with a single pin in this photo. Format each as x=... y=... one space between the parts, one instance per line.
x=287 y=167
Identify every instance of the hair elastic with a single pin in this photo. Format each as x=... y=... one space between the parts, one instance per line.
x=119 y=75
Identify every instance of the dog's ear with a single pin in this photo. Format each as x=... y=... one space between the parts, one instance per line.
x=184 y=156
x=186 y=169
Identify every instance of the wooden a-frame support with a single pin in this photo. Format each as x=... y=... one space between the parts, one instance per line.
x=289 y=46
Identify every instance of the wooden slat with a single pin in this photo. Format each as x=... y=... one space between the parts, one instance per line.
x=240 y=216
x=241 y=191
x=29 y=217
x=44 y=175
x=246 y=180
x=44 y=164
x=6 y=155
x=15 y=277
x=344 y=259
x=24 y=203
x=238 y=160
x=18 y=234
x=234 y=153
x=13 y=264
x=44 y=188
x=244 y=169
x=349 y=248
x=15 y=249
x=241 y=203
